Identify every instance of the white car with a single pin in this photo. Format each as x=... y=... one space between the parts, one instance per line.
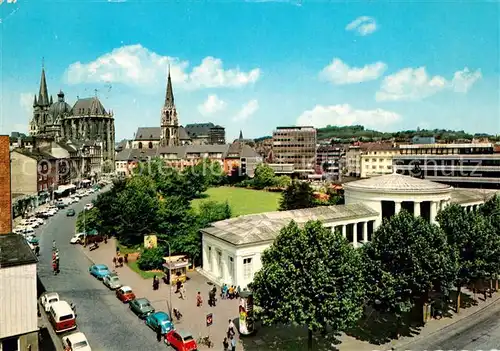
x=48 y=299
x=19 y=229
x=89 y=206
x=29 y=231
x=77 y=238
x=39 y=220
x=76 y=342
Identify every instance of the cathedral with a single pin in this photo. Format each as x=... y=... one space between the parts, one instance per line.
x=86 y=122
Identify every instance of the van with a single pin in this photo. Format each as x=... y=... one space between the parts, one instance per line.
x=62 y=317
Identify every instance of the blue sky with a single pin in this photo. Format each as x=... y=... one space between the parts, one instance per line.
x=256 y=65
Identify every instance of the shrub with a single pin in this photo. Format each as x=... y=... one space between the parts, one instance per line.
x=151 y=259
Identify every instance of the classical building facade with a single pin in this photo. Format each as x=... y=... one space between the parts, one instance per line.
x=232 y=248
x=87 y=122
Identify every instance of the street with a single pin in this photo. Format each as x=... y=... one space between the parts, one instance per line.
x=107 y=323
x=480 y=331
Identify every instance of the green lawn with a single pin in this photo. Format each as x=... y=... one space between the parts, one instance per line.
x=144 y=274
x=242 y=201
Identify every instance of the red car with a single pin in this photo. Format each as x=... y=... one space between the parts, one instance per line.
x=125 y=294
x=180 y=341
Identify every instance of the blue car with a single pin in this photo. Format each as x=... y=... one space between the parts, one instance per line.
x=159 y=320
x=99 y=271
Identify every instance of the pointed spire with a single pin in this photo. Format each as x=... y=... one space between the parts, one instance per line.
x=51 y=100
x=241 y=135
x=34 y=102
x=43 y=95
x=169 y=98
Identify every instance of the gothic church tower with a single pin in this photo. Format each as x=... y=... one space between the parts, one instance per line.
x=41 y=107
x=169 y=119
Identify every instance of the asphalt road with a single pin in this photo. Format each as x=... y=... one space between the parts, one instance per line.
x=107 y=323
x=480 y=331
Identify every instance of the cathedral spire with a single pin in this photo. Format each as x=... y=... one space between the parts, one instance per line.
x=169 y=97
x=43 y=95
x=241 y=135
x=35 y=102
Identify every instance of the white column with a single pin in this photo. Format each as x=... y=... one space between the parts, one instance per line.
x=355 y=235
x=416 y=208
x=225 y=265
x=397 y=207
x=433 y=212
x=365 y=232
x=215 y=267
x=344 y=231
x=206 y=265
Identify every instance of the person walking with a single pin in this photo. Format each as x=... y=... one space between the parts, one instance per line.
x=114 y=261
x=199 y=300
x=158 y=334
x=225 y=344
x=183 y=292
x=230 y=329
x=53 y=245
x=120 y=261
x=233 y=343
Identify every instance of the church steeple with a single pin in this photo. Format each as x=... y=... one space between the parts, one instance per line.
x=169 y=97
x=43 y=94
x=241 y=135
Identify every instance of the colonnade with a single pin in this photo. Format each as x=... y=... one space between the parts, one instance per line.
x=363 y=229
x=471 y=208
x=435 y=207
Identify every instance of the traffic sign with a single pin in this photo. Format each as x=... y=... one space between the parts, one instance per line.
x=210 y=319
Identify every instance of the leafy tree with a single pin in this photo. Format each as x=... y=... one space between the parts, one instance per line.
x=407 y=260
x=107 y=166
x=311 y=277
x=88 y=220
x=283 y=181
x=263 y=177
x=296 y=196
x=151 y=259
x=173 y=217
x=212 y=211
x=139 y=206
x=196 y=179
x=110 y=212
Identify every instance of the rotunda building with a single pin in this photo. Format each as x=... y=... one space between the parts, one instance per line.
x=389 y=194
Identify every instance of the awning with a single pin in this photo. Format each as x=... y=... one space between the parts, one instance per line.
x=85 y=181
x=63 y=188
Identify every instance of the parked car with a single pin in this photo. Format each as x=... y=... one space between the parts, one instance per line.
x=70 y=212
x=112 y=281
x=141 y=307
x=181 y=341
x=89 y=206
x=76 y=342
x=159 y=320
x=28 y=230
x=42 y=214
x=99 y=271
x=125 y=294
x=77 y=238
x=47 y=299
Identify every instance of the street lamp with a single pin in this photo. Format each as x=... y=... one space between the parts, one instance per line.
x=169 y=275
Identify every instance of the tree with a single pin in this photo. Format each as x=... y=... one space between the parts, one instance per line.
x=296 y=196
x=312 y=277
x=110 y=212
x=107 y=166
x=407 y=260
x=212 y=211
x=263 y=177
x=88 y=220
x=139 y=207
x=283 y=181
x=472 y=239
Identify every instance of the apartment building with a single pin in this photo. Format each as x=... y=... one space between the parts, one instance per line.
x=471 y=165
x=217 y=135
x=376 y=159
x=296 y=146
x=329 y=159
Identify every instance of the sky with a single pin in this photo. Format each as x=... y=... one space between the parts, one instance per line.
x=255 y=65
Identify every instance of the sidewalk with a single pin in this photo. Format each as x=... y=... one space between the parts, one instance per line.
x=269 y=338
x=194 y=318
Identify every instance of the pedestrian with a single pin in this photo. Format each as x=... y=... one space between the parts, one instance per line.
x=225 y=344
x=199 y=300
x=230 y=329
x=114 y=261
x=158 y=334
x=178 y=284
x=120 y=261
x=183 y=292
x=233 y=343
x=156 y=283
x=53 y=245
x=37 y=250
x=125 y=258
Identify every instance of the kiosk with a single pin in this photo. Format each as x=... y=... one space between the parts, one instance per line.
x=175 y=268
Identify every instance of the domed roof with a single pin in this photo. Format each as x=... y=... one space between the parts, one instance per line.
x=397 y=183
x=60 y=107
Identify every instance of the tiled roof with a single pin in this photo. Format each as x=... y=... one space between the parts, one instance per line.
x=148 y=133
x=88 y=106
x=15 y=251
x=264 y=227
x=183 y=135
x=35 y=154
x=397 y=183
x=463 y=196
x=198 y=129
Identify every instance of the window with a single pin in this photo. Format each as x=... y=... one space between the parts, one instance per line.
x=231 y=267
x=10 y=344
x=247 y=268
x=219 y=264
x=209 y=258
x=150 y=145
x=140 y=145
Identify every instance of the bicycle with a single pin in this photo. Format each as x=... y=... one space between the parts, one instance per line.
x=205 y=340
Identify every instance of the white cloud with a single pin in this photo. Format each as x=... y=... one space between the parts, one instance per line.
x=415 y=84
x=136 y=65
x=212 y=105
x=345 y=115
x=338 y=72
x=247 y=110
x=363 y=25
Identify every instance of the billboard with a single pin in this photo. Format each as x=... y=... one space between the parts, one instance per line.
x=150 y=241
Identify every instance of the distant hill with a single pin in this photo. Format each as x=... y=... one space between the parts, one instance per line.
x=345 y=134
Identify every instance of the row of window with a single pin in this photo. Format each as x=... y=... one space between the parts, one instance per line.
x=247 y=265
x=379 y=166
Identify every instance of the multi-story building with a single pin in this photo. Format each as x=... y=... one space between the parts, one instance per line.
x=18 y=310
x=376 y=159
x=328 y=159
x=472 y=165
x=5 y=186
x=297 y=146
x=217 y=135
x=241 y=157
x=353 y=161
